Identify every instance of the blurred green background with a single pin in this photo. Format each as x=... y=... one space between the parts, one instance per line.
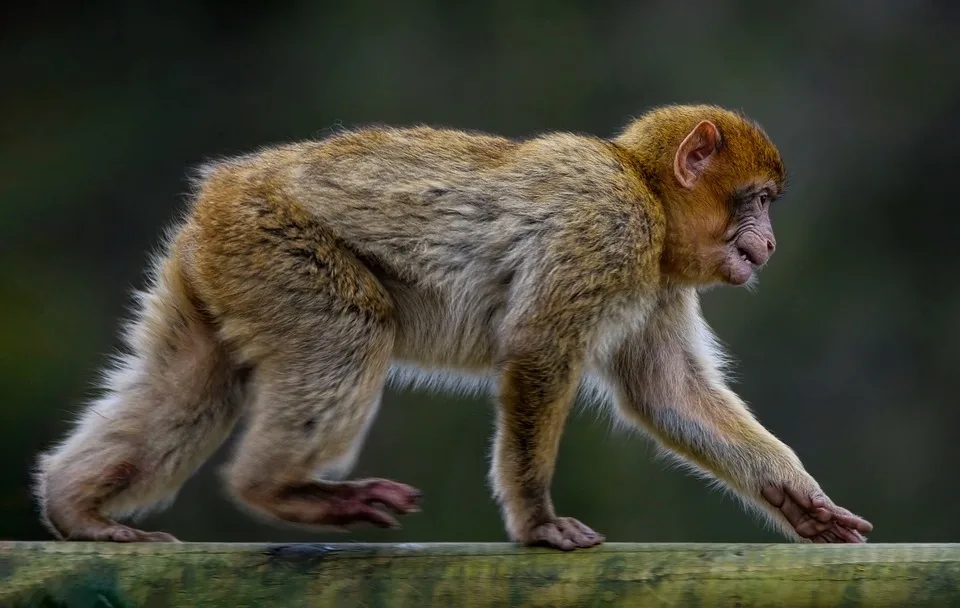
x=848 y=351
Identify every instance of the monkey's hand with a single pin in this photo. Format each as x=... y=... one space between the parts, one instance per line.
x=815 y=517
x=564 y=533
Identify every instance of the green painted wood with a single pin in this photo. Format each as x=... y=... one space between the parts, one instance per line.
x=212 y=574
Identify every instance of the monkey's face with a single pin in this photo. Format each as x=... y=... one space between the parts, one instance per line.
x=720 y=234
x=747 y=241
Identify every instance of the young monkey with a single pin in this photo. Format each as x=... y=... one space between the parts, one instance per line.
x=303 y=271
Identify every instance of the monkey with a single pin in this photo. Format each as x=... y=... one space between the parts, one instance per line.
x=305 y=276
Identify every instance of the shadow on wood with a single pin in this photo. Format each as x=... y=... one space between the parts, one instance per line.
x=212 y=574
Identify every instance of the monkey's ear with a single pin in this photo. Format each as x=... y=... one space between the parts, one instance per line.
x=695 y=153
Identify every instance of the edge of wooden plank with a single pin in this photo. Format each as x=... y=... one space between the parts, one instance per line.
x=469 y=548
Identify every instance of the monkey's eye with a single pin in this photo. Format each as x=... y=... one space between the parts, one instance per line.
x=763 y=198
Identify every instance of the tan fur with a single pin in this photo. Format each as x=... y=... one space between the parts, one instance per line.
x=303 y=271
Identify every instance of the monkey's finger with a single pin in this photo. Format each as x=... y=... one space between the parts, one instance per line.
x=588 y=533
x=550 y=535
x=847 y=535
x=794 y=513
x=848 y=519
x=804 y=524
x=811 y=528
x=581 y=535
x=806 y=501
x=821 y=505
x=822 y=515
x=583 y=541
x=781 y=498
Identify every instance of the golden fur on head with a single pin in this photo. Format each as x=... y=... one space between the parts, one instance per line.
x=745 y=148
x=698 y=218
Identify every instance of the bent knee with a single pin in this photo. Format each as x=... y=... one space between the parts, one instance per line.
x=246 y=484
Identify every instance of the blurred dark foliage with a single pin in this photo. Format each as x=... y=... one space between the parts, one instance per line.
x=848 y=351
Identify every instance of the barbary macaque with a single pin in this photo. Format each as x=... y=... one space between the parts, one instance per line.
x=304 y=273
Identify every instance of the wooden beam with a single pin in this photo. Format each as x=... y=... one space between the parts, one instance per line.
x=450 y=575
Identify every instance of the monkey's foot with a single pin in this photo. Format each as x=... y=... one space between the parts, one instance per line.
x=564 y=533
x=366 y=501
x=815 y=517
x=118 y=533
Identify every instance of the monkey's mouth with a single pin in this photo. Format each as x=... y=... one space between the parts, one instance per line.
x=739 y=266
x=749 y=256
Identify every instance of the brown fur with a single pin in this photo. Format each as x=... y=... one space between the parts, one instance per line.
x=302 y=272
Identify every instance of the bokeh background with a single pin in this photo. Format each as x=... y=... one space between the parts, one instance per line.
x=848 y=351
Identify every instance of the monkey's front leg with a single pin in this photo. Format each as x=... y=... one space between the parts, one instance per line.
x=670 y=387
x=536 y=394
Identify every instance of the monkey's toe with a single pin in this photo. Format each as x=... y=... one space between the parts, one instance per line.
x=398 y=497
x=158 y=537
x=350 y=513
x=117 y=533
x=125 y=534
x=366 y=501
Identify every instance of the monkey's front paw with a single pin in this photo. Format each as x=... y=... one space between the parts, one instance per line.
x=564 y=533
x=815 y=517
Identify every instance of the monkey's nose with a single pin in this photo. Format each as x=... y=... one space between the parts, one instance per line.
x=771 y=245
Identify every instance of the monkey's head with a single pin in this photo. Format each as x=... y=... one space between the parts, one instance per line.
x=716 y=173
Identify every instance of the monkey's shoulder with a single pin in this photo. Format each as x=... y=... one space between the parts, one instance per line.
x=605 y=205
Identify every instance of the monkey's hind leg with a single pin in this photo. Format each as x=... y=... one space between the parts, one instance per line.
x=317 y=327
x=169 y=402
x=313 y=402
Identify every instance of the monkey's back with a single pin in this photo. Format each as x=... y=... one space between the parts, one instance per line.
x=447 y=221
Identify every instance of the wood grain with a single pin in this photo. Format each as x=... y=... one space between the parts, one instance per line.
x=211 y=574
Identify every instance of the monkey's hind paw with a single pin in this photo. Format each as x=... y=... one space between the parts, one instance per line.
x=117 y=533
x=398 y=497
x=564 y=533
x=368 y=501
x=815 y=517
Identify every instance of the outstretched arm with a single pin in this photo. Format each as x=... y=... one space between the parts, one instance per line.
x=668 y=380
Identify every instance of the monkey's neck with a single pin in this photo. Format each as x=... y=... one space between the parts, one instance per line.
x=651 y=165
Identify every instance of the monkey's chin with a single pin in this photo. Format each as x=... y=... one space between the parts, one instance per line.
x=738 y=271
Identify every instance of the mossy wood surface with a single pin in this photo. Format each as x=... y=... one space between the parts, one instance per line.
x=211 y=574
